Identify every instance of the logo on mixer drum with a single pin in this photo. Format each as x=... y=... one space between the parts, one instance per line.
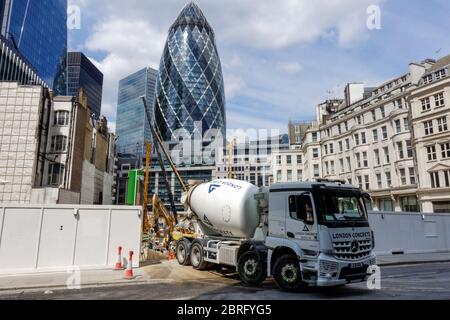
x=213 y=187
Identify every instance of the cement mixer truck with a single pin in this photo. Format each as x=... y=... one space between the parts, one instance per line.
x=301 y=233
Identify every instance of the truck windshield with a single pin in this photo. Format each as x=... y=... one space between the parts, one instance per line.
x=342 y=207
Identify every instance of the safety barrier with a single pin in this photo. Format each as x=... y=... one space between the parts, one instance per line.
x=53 y=238
x=404 y=232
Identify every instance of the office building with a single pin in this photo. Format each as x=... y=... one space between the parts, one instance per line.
x=132 y=127
x=390 y=141
x=190 y=99
x=52 y=150
x=38 y=30
x=82 y=73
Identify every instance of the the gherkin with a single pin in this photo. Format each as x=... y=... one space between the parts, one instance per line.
x=190 y=89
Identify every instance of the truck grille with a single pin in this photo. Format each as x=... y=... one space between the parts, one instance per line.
x=352 y=250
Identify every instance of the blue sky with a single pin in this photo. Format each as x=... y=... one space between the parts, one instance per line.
x=280 y=58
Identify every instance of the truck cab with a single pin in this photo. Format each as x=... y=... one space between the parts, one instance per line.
x=318 y=234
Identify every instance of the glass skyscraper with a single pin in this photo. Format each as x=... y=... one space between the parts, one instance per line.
x=82 y=73
x=190 y=89
x=38 y=30
x=132 y=126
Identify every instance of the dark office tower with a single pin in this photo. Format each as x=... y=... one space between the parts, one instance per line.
x=38 y=30
x=82 y=73
x=190 y=88
x=132 y=127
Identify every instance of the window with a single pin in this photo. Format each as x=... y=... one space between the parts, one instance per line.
x=278 y=160
x=428 y=79
x=388 y=179
x=327 y=168
x=428 y=125
x=367 y=181
x=377 y=156
x=333 y=171
x=357 y=139
x=359 y=120
x=360 y=182
x=61 y=118
x=400 y=104
x=341 y=164
x=346 y=125
x=447 y=178
x=347 y=144
x=406 y=124
x=55 y=174
x=314 y=136
x=386 y=205
x=289 y=175
x=431 y=151
x=379 y=181
x=315 y=153
x=442 y=124
x=358 y=160
x=331 y=148
x=386 y=155
x=59 y=144
x=365 y=161
x=398 y=126
x=385 y=133
x=300 y=208
x=445 y=149
x=403 y=176
x=374 y=115
x=363 y=138
x=401 y=154
x=409 y=204
x=349 y=164
x=299 y=160
x=412 y=176
x=316 y=170
x=339 y=129
x=440 y=74
x=279 y=175
x=383 y=112
x=409 y=148
x=289 y=159
x=299 y=175
x=439 y=99
x=340 y=146
x=375 y=135
x=434 y=178
x=426 y=105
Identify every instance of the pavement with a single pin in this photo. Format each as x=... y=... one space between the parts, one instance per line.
x=165 y=273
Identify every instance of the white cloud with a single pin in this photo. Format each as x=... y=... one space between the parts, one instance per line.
x=126 y=38
x=289 y=67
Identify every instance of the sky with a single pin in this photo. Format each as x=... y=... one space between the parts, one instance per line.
x=279 y=58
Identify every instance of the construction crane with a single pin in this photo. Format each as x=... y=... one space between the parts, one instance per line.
x=148 y=154
x=230 y=148
x=158 y=144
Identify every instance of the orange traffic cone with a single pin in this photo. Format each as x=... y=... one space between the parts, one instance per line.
x=129 y=270
x=119 y=265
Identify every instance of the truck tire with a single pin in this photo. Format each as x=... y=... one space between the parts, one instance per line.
x=198 y=258
x=251 y=269
x=182 y=252
x=287 y=273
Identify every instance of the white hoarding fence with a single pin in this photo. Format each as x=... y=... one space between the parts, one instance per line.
x=401 y=232
x=50 y=238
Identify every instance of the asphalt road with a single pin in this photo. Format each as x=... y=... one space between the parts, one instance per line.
x=425 y=281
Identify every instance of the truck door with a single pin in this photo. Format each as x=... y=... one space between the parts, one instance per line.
x=301 y=225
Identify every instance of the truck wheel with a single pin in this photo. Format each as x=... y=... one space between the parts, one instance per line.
x=182 y=251
x=197 y=257
x=287 y=273
x=251 y=269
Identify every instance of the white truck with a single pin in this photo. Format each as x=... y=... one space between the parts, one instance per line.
x=301 y=233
